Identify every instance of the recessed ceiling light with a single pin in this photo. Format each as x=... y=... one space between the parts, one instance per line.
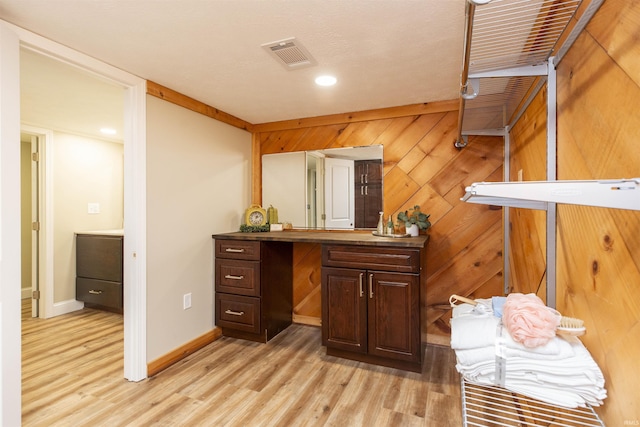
x=108 y=131
x=326 y=80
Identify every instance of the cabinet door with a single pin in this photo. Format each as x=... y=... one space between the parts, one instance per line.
x=368 y=193
x=373 y=205
x=373 y=171
x=368 y=171
x=394 y=315
x=359 y=205
x=344 y=309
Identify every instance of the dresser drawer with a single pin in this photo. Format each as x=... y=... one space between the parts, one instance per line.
x=100 y=292
x=237 y=249
x=99 y=257
x=238 y=312
x=403 y=260
x=238 y=277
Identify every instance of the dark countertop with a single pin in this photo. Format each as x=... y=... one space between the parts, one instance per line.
x=334 y=237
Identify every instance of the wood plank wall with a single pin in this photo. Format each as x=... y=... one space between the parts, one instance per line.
x=421 y=166
x=598 y=250
x=527 y=246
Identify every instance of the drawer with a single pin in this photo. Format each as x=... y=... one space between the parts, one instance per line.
x=100 y=292
x=99 y=257
x=403 y=260
x=237 y=249
x=238 y=312
x=238 y=277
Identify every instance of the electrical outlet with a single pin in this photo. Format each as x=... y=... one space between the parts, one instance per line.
x=186 y=301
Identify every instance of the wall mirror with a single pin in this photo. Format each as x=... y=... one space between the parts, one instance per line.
x=337 y=188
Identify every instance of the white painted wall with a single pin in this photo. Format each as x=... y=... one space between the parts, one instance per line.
x=198 y=184
x=85 y=170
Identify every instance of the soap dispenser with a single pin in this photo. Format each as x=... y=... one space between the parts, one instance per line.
x=390 y=229
x=381 y=224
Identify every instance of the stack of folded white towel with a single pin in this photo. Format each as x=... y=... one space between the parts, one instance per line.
x=561 y=372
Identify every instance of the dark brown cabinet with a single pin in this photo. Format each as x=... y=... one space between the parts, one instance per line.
x=99 y=277
x=253 y=283
x=371 y=304
x=367 y=193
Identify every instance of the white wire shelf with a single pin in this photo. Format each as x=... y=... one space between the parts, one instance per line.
x=510 y=34
x=492 y=406
x=618 y=194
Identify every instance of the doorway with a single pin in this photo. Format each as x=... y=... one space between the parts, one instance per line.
x=80 y=168
x=11 y=39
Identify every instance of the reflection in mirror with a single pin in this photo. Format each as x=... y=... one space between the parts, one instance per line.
x=337 y=188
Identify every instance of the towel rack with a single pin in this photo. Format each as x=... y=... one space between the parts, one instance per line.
x=489 y=406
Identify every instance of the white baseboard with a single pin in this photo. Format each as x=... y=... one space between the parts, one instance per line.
x=25 y=293
x=65 y=307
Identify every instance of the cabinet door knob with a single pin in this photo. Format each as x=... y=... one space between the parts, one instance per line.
x=235 y=313
x=370 y=285
x=361 y=290
x=229 y=276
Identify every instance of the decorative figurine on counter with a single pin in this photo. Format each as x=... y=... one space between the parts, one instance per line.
x=381 y=224
x=272 y=215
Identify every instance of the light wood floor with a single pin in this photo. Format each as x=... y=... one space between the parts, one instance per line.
x=72 y=375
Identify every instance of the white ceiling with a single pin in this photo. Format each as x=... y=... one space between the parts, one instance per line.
x=384 y=53
x=57 y=96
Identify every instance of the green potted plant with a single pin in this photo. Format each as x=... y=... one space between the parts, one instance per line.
x=414 y=220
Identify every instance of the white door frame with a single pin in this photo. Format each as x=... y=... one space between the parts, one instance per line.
x=11 y=39
x=10 y=243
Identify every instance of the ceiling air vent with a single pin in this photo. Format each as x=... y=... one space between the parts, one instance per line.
x=290 y=53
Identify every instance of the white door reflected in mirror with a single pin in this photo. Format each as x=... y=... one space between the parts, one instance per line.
x=338 y=193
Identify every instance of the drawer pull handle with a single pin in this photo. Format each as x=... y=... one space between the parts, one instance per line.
x=235 y=313
x=234 y=250
x=229 y=276
x=370 y=285
x=94 y=292
x=361 y=290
